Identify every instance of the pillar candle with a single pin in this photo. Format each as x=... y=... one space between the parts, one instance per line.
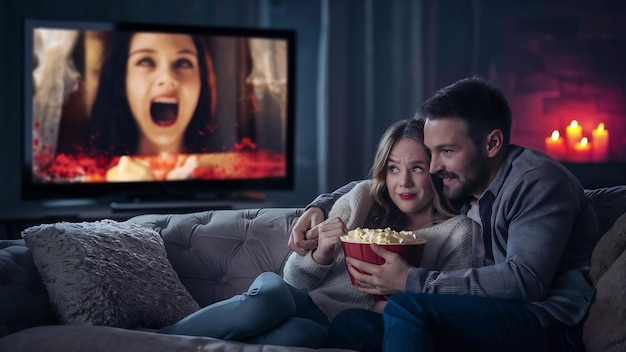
x=573 y=133
x=555 y=145
x=581 y=152
x=599 y=144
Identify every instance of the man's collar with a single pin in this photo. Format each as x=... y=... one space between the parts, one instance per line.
x=503 y=171
x=498 y=181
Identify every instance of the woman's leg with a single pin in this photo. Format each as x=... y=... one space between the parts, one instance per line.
x=306 y=308
x=267 y=302
x=295 y=332
x=440 y=322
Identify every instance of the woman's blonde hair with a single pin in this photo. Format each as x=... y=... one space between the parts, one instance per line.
x=385 y=213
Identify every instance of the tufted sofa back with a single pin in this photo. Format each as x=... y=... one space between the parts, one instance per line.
x=217 y=254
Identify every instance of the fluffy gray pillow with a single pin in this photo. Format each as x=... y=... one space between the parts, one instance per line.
x=108 y=273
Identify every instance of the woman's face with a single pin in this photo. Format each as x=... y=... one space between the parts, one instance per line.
x=408 y=180
x=163 y=88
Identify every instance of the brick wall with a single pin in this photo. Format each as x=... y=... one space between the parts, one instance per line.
x=557 y=61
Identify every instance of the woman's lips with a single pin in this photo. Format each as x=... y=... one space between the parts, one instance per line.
x=406 y=196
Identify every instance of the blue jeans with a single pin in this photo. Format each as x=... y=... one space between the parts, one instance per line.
x=440 y=322
x=270 y=312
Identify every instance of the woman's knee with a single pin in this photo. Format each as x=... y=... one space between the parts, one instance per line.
x=269 y=290
x=266 y=282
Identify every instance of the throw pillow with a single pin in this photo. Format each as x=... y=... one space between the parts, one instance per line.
x=108 y=273
x=603 y=329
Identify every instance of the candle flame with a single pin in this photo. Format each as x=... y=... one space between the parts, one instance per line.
x=584 y=141
x=555 y=135
x=573 y=124
x=600 y=127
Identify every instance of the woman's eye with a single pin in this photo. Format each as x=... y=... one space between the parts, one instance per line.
x=446 y=151
x=392 y=169
x=183 y=63
x=418 y=169
x=146 y=61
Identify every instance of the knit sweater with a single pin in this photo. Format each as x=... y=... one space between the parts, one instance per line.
x=449 y=246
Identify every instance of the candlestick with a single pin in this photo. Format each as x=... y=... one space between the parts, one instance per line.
x=599 y=143
x=581 y=151
x=573 y=133
x=555 y=145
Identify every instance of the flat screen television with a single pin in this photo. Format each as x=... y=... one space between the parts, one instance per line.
x=137 y=111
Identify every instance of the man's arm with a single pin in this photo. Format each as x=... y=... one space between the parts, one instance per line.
x=539 y=222
x=304 y=233
x=325 y=201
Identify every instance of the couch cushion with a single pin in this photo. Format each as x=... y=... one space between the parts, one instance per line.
x=218 y=253
x=108 y=273
x=107 y=339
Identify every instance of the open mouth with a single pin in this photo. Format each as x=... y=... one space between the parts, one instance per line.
x=164 y=113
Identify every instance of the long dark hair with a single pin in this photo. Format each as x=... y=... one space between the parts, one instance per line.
x=113 y=131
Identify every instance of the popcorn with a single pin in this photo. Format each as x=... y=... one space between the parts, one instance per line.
x=380 y=236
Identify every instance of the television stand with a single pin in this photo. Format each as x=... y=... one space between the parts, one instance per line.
x=169 y=206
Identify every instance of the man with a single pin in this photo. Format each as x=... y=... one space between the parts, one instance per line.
x=527 y=289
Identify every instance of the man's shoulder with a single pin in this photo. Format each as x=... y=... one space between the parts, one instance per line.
x=526 y=163
x=528 y=173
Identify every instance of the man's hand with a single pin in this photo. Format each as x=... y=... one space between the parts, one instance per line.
x=304 y=233
x=384 y=279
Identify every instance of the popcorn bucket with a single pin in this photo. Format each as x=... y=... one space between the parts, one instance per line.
x=411 y=252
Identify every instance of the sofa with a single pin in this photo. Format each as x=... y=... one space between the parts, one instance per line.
x=216 y=254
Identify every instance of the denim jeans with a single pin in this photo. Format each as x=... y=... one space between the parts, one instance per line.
x=270 y=312
x=440 y=322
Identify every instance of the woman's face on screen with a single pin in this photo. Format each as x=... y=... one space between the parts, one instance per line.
x=163 y=88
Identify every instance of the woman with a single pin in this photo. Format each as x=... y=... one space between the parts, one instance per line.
x=154 y=96
x=296 y=312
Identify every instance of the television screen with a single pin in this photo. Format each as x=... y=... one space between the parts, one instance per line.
x=140 y=110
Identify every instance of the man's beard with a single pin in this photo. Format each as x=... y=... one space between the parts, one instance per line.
x=475 y=178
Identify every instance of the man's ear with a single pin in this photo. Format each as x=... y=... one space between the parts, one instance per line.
x=495 y=140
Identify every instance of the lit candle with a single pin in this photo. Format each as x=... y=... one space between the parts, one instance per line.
x=555 y=145
x=599 y=143
x=581 y=151
x=573 y=133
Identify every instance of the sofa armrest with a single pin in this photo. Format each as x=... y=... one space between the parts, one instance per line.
x=23 y=297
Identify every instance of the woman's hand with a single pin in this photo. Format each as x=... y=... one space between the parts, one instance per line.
x=384 y=279
x=329 y=233
x=304 y=234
